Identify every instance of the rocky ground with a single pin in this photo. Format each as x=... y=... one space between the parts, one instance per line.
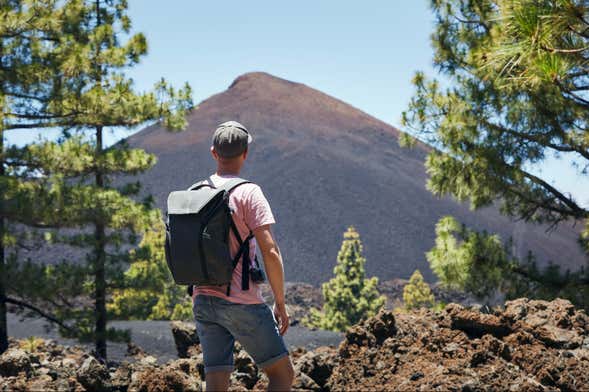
x=527 y=346
x=524 y=346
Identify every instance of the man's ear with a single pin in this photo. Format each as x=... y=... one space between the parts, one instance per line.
x=214 y=153
x=245 y=155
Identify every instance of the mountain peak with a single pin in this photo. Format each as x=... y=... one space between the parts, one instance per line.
x=257 y=78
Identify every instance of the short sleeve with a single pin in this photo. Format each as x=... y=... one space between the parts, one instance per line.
x=257 y=210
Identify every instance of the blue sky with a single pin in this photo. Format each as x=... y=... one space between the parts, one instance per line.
x=364 y=53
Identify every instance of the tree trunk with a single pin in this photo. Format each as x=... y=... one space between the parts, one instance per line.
x=99 y=272
x=99 y=234
x=3 y=324
x=100 y=292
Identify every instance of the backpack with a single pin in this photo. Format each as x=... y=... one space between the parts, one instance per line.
x=199 y=222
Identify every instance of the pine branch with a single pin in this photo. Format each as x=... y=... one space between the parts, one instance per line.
x=32 y=116
x=11 y=127
x=40 y=312
x=544 y=204
x=558 y=147
x=576 y=210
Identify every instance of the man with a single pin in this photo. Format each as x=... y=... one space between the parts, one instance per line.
x=243 y=315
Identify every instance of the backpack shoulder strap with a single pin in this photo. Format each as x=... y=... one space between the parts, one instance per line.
x=233 y=183
x=227 y=186
x=200 y=184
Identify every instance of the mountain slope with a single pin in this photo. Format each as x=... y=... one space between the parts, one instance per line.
x=325 y=165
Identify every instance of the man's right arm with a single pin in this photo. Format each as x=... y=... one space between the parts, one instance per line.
x=274 y=271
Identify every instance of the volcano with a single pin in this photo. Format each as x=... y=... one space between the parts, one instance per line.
x=325 y=165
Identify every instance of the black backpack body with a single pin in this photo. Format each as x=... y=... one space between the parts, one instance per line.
x=199 y=222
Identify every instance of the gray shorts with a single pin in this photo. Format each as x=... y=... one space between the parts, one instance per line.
x=220 y=322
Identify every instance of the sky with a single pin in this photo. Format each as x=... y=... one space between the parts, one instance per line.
x=364 y=53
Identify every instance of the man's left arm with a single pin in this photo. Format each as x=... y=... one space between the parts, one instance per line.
x=275 y=272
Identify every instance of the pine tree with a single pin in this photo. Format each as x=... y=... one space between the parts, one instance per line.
x=29 y=76
x=349 y=296
x=104 y=98
x=149 y=291
x=417 y=293
x=94 y=96
x=517 y=73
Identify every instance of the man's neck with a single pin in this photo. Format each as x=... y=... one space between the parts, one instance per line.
x=227 y=172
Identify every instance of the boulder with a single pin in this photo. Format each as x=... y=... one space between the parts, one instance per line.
x=382 y=326
x=164 y=380
x=185 y=337
x=358 y=335
x=134 y=350
x=13 y=384
x=93 y=375
x=555 y=323
x=14 y=361
x=317 y=364
x=121 y=377
x=302 y=382
x=247 y=371
x=148 y=360
x=41 y=383
x=476 y=324
x=558 y=337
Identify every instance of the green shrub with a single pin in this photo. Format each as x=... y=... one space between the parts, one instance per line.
x=417 y=293
x=348 y=297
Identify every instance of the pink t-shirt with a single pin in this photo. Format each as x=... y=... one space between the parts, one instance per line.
x=250 y=211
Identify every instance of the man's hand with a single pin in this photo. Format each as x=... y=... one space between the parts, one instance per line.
x=281 y=316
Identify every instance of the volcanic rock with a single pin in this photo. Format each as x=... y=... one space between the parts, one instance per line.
x=14 y=361
x=93 y=375
x=303 y=382
x=185 y=337
x=475 y=324
x=134 y=350
x=163 y=380
x=317 y=364
x=247 y=371
x=121 y=377
x=528 y=345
